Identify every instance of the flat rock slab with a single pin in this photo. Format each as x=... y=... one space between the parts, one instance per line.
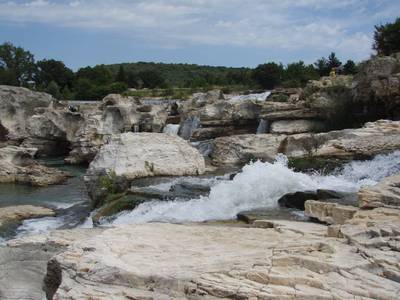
x=291 y=260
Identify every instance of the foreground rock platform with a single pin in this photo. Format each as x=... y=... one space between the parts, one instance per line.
x=291 y=260
x=14 y=214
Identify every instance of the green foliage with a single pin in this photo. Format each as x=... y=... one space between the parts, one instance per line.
x=387 y=38
x=53 y=71
x=298 y=74
x=54 y=90
x=324 y=66
x=350 y=68
x=109 y=182
x=121 y=76
x=268 y=75
x=17 y=66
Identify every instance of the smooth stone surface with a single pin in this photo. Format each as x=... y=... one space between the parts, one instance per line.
x=15 y=214
x=384 y=194
x=331 y=213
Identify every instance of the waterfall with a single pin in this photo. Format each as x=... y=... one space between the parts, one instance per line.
x=263 y=126
x=171 y=129
x=254 y=97
x=188 y=127
x=204 y=147
x=260 y=185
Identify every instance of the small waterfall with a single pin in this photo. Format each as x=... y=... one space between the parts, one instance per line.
x=263 y=127
x=188 y=127
x=260 y=185
x=205 y=147
x=254 y=97
x=171 y=129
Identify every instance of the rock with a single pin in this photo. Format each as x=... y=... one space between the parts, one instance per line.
x=23 y=262
x=17 y=105
x=295 y=126
x=239 y=149
x=15 y=214
x=384 y=194
x=374 y=138
x=17 y=165
x=285 y=260
x=135 y=155
x=376 y=87
x=290 y=95
x=297 y=199
x=331 y=213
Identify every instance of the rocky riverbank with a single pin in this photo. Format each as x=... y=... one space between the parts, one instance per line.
x=171 y=184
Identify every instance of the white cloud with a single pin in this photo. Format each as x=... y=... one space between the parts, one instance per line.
x=343 y=26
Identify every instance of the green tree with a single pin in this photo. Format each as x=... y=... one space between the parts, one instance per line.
x=152 y=79
x=350 y=68
x=321 y=66
x=98 y=75
x=268 y=75
x=333 y=61
x=67 y=94
x=298 y=74
x=17 y=66
x=53 y=70
x=387 y=38
x=54 y=90
x=121 y=76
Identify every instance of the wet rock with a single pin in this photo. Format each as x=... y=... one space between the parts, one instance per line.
x=297 y=199
x=384 y=194
x=330 y=213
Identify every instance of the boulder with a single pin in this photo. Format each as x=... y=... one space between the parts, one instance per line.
x=17 y=105
x=240 y=149
x=384 y=194
x=376 y=87
x=15 y=214
x=329 y=212
x=17 y=165
x=134 y=155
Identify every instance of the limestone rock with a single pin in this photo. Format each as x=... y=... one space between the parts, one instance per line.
x=15 y=214
x=291 y=260
x=135 y=155
x=295 y=126
x=17 y=165
x=238 y=149
x=384 y=194
x=329 y=212
x=17 y=105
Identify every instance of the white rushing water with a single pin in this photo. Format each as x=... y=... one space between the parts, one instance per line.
x=260 y=185
x=172 y=129
x=254 y=97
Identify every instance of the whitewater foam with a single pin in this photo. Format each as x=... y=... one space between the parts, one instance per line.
x=260 y=185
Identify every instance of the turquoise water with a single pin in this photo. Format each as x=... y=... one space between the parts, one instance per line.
x=69 y=200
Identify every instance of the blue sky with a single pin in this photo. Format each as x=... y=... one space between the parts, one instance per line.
x=213 y=32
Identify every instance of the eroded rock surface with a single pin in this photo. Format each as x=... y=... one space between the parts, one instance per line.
x=17 y=165
x=15 y=214
x=384 y=194
x=292 y=260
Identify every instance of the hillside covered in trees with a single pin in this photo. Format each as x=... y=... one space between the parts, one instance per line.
x=19 y=68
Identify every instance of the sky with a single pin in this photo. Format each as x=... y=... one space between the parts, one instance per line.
x=209 y=32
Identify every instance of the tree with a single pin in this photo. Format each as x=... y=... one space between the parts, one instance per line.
x=121 y=76
x=387 y=38
x=324 y=66
x=17 y=66
x=53 y=70
x=350 y=68
x=268 y=75
x=298 y=74
x=54 y=90
x=152 y=79
x=98 y=75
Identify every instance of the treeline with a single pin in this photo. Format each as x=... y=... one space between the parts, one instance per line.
x=18 y=67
